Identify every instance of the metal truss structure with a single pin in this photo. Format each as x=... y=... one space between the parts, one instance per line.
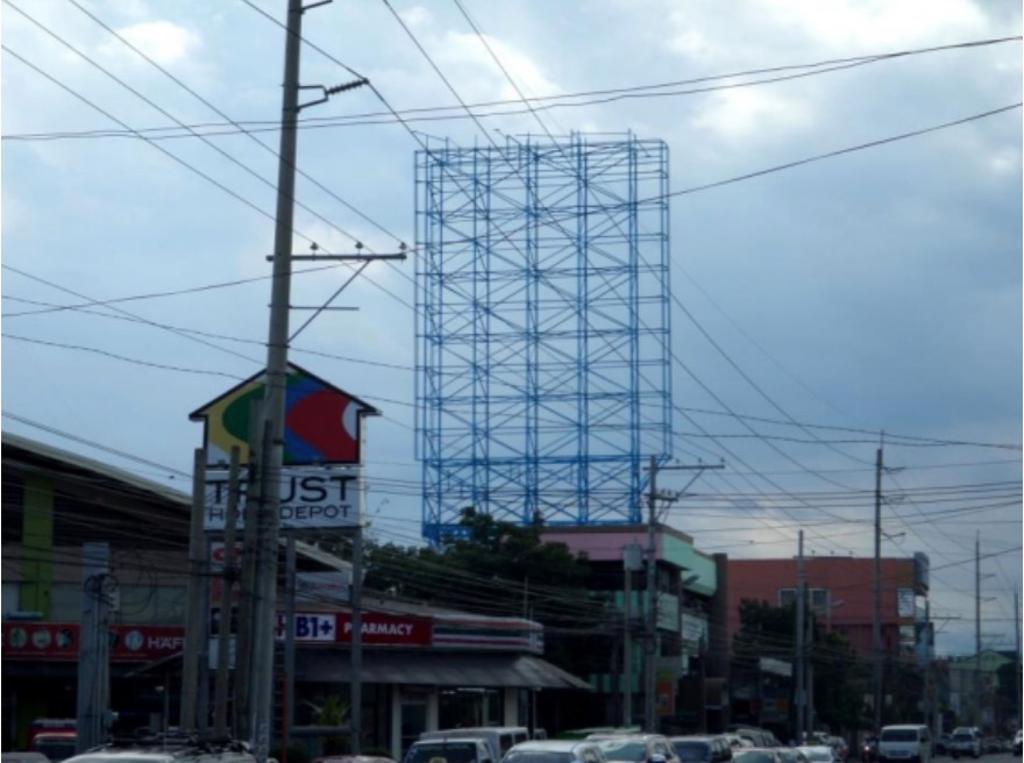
x=543 y=381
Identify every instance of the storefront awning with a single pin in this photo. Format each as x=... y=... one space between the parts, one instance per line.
x=437 y=669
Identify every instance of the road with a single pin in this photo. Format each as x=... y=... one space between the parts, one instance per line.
x=1003 y=757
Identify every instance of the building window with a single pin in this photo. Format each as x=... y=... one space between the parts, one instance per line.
x=819 y=599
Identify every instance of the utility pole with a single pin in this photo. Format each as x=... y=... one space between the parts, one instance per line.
x=650 y=664
x=801 y=688
x=631 y=561
x=270 y=455
x=876 y=630
x=288 y=713
x=356 y=600
x=194 y=602
x=241 y=725
x=977 y=629
x=221 y=685
x=1016 y=655
x=650 y=674
x=271 y=458
x=94 y=652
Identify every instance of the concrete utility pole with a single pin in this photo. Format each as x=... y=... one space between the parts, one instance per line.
x=221 y=683
x=356 y=600
x=288 y=713
x=650 y=674
x=631 y=561
x=650 y=664
x=876 y=629
x=977 y=629
x=1016 y=654
x=188 y=721
x=94 y=652
x=264 y=609
x=241 y=724
x=801 y=686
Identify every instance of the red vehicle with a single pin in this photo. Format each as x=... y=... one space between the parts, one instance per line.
x=53 y=737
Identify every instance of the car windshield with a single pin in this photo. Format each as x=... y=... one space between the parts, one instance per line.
x=692 y=751
x=537 y=756
x=899 y=735
x=963 y=737
x=634 y=752
x=442 y=753
x=753 y=756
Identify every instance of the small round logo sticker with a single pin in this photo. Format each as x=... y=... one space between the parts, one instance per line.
x=134 y=640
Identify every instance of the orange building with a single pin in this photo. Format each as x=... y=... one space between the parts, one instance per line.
x=841 y=592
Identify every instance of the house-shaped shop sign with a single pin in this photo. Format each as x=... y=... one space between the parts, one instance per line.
x=322 y=423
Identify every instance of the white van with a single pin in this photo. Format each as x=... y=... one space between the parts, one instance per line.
x=911 y=743
x=501 y=739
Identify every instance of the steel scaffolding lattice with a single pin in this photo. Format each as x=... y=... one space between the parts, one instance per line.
x=543 y=381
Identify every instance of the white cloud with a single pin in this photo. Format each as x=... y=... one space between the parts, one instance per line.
x=864 y=23
x=417 y=16
x=740 y=113
x=165 y=42
x=466 y=51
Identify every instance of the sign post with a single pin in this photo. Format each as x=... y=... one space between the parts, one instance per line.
x=319 y=487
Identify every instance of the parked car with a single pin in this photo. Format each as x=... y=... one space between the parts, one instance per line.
x=792 y=755
x=500 y=738
x=758 y=755
x=24 y=757
x=451 y=750
x=911 y=742
x=1018 y=742
x=637 y=748
x=352 y=759
x=737 y=742
x=966 y=741
x=555 y=751
x=818 y=753
x=702 y=749
x=166 y=748
x=941 y=744
x=579 y=734
x=57 y=746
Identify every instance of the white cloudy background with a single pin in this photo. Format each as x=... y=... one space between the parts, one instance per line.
x=880 y=289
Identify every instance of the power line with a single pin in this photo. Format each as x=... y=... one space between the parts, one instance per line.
x=570 y=99
x=122 y=358
x=211 y=334
x=842 y=151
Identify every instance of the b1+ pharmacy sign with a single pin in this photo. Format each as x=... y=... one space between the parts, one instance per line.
x=312 y=497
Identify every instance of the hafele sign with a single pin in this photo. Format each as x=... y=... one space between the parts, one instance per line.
x=311 y=497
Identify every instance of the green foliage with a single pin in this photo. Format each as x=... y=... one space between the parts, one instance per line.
x=511 y=555
x=841 y=678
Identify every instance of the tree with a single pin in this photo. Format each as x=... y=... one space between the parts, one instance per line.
x=840 y=676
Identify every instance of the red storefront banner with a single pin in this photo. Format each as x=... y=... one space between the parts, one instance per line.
x=60 y=641
x=387 y=630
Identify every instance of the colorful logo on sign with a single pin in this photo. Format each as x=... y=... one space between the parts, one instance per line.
x=321 y=421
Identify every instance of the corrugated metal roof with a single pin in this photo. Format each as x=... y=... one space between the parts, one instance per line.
x=430 y=668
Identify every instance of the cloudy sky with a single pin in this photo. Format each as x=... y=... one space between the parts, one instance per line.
x=876 y=290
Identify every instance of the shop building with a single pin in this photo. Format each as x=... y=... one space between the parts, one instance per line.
x=690 y=680
x=423 y=668
x=841 y=596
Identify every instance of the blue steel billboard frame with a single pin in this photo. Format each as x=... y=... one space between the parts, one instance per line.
x=543 y=329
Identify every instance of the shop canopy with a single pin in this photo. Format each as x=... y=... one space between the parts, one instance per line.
x=434 y=669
